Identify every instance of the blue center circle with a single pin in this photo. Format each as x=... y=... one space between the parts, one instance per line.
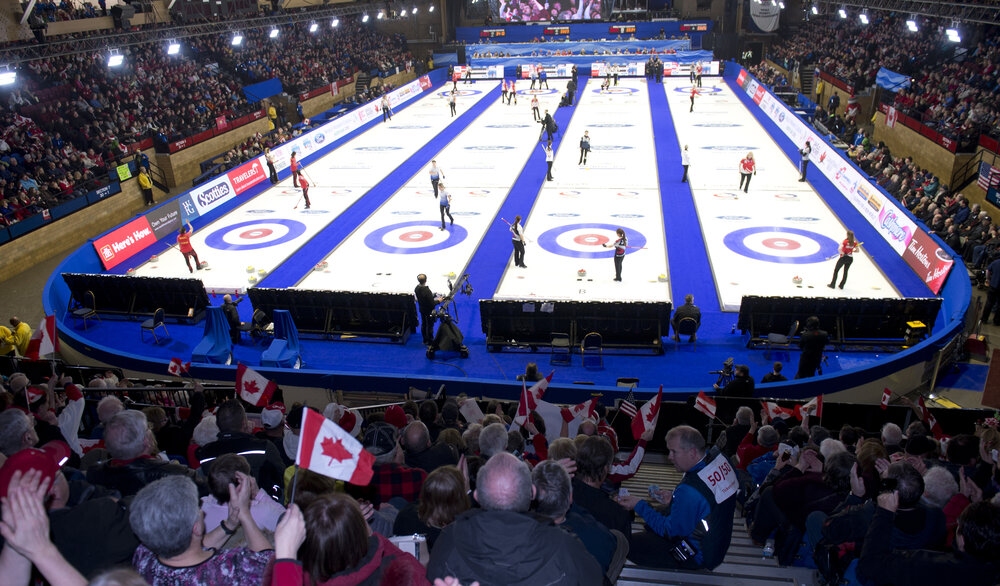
x=548 y=240
x=217 y=239
x=827 y=247
x=375 y=240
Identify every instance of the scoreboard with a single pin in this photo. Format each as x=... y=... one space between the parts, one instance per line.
x=622 y=29
x=698 y=27
x=556 y=30
x=492 y=32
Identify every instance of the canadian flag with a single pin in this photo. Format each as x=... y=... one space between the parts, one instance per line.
x=530 y=398
x=583 y=410
x=325 y=448
x=886 y=397
x=254 y=388
x=813 y=407
x=33 y=394
x=776 y=411
x=930 y=420
x=178 y=368
x=44 y=342
x=705 y=404
x=645 y=419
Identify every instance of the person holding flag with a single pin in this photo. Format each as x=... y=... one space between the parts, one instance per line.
x=309 y=548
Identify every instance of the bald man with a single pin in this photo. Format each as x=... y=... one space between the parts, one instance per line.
x=502 y=543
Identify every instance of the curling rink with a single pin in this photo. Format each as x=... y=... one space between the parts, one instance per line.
x=756 y=242
x=759 y=241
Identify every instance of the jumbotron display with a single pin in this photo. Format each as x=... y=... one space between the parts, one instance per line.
x=551 y=11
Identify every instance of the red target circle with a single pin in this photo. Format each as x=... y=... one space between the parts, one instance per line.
x=781 y=243
x=256 y=233
x=416 y=236
x=590 y=239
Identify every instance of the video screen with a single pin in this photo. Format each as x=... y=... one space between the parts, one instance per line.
x=548 y=11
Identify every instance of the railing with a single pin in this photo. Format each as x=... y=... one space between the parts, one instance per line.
x=222 y=126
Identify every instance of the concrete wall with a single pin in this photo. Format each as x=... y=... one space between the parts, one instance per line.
x=183 y=166
x=939 y=160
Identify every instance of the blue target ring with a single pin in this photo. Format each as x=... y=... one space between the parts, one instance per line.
x=828 y=248
x=217 y=239
x=548 y=240
x=376 y=239
x=701 y=90
x=624 y=91
x=463 y=92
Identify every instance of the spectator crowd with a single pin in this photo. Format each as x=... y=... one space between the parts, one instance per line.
x=72 y=119
x=92 y=489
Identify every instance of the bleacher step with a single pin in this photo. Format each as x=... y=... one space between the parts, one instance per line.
x=744 y=564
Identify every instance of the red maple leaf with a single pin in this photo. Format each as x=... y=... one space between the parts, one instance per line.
x=335 y=450
x=652 y=414
x=250 y=386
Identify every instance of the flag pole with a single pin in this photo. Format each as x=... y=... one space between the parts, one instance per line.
x=295 y=484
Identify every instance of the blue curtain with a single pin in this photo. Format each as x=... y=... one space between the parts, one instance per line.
x=216 y=347
x=284 y=350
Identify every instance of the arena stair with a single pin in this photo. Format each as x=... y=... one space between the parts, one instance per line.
x=744 y=564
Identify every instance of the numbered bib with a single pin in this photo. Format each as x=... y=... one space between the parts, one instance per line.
x=720 y=478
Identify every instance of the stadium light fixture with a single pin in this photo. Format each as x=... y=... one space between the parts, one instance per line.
x=912 y=25
x=7 y=77
x=334 y=23
x=313 y=27
x=781 y=5
x=274 y=33
x=815 y=9
x=414 y=11
x=173 y=47
x=842 y=13
x=237 y=39
x=402 y=13
x=953 y=34
x=115 y=59
x=863 y=18
x=380 y=15
x=364 y=18
x=431 y=9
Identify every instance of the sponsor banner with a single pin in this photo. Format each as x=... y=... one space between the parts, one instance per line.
x=211 y=195
x=671 y=68
x=165 y=219
x=928 y=260
x=895 y=226
x=247 y=175
x=123 y=243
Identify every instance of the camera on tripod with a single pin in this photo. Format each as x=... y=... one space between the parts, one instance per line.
x=727 y=368
x=726 y=375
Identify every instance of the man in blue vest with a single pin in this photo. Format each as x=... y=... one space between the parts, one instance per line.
x=695 y=529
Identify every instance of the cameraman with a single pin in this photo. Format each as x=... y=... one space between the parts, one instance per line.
x=233 y=317
x=426 y=302
x=741 y=385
